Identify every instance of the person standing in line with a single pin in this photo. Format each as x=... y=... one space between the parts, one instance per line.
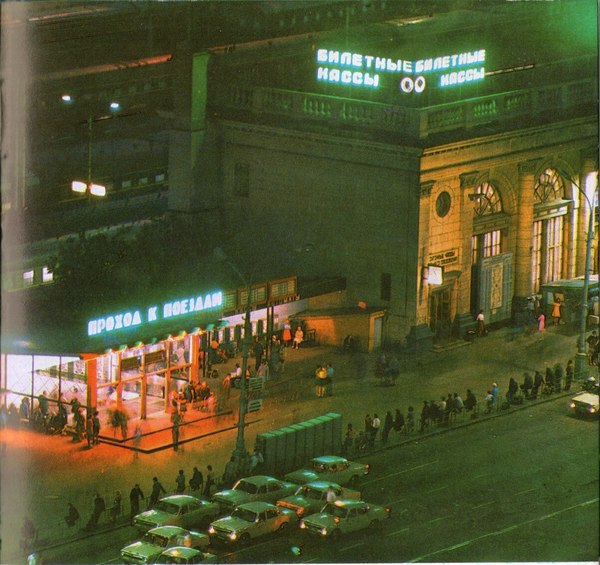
x=258 y=350
x=556 y=312
x=569 y=373
x=72 y=515
x=410 y=420
x=388 y=425
x=96 y=419
x=398 y=421
x=180 y=482
x=99 y=507
x=116 y=508
x=157 y=489
x=495 y=394
x=210 y=480
x=375 y=425
x=197 y=480
x=135 y=495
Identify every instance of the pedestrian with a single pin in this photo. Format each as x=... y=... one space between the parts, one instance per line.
x=458 y=403
x=230 y=474
x=72 y=515
x=375 y=425
x=329 y=384
x=226 y=387
x=538 y=380
x=137 y=440
x=258 y=351
x=348 y=439
x=569 y=373
x=175 y=431
x=135 y=495
x=96 y=419
x=410 y=420
x=592 y=342
x=558 y=377
x=556 y=311
x=424 y=422
x=197 y=480
x=549 y=381
x=117 y=507
x=79 y=421
x=513 y=389
x=541 y=320
x=180 y=482
x=157 y=489
x=495 y=394
x=99 y=507
x=89 y=431
x=399 y=421
x=24 y=409
x=489 y=401
x=470 y=401
x=481 y=331
x=256 y=460
x=210 y=480
x=298 y=338
x=321 y=380
x=388 y=425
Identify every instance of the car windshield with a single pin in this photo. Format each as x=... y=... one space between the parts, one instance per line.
x=156 y=539
x=334 y=510
x=167 y=507
x=312 y=493
x=244 y=514
x=245 y=486
x=319 y=467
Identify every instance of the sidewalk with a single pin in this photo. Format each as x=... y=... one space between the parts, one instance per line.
x=40 y=474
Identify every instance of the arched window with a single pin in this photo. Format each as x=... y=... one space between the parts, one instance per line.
x=489 y=202
x=548 y=227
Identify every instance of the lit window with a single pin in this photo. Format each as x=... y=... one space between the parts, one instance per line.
x=47 y=275
x=549 y=187
x=489 y=202
x=28 y=278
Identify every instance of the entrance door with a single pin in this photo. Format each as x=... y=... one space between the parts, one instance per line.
x=377 y=332
x=439 y=312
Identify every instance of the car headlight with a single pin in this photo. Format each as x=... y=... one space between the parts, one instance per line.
x=232 y=535
x=302 y=524
x=592 y=409
x=323 y=531
x=211 y=529
x=571 y=405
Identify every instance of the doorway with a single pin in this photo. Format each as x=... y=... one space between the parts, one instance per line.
x=439 y=312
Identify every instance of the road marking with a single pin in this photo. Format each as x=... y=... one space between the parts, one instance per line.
x=524 y=491
x=437 y=519
x=427 y=556
x=484 y=504
x=398 y=532
x=401 y=472
x=351 y=546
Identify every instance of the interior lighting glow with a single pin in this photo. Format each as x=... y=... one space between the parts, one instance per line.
x=78 y=186
x=47 y=275
x=67 y=98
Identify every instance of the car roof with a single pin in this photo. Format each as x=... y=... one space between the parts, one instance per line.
x=182 y=551
x=259 y=479
x=257 y=506
x=321 y=485
x=329 y=459
x=168 y=531
x=181 y=498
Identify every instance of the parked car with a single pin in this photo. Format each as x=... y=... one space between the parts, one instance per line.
x=250 y=489
x=330 y=468
x=154 y=542
x=343 y=517
x=311 y=497
x=181 y=555
x=249 y=521
x=178 y=510
x=586 y=403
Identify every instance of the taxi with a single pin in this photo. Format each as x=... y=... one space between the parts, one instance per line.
x=330 y=468
x=178 y=510
x=311 y=497
x=251 y=489
x=249 y=521
x=181 y=555
x=344 y=517
x=587 y=402
x=156 y=540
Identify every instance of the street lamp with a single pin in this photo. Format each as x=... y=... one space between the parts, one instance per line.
x=581 y=362
x=240 y=455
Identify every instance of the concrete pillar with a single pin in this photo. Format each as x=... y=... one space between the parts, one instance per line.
x=527 y=172
x=91 y=375
x=192 y=162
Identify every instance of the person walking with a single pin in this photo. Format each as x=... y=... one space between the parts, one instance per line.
x=157 y=489
x=481 y=331
x=89 y=431
x=99 y=507
x=180 y=482
x=117 y=507
x=197 y=480
x=210 y=480
x=541 y=320
x=135 y=495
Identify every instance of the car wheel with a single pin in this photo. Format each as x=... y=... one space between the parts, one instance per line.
x=374 y=525
x=283 y=526
x=245 y=539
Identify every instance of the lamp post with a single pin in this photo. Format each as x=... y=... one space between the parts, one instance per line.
x=240 y=455
x=581 y=360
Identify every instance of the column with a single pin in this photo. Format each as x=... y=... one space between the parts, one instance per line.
x=589 y=165
x=464 y=316
x=527 y=171
x=91 y=374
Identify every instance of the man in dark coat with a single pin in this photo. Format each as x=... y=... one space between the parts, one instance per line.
x=99 y=507
x=157 y=489
x=388 y=425
x=134 y=500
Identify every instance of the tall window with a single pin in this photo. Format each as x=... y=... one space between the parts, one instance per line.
x=486 y=245
x=548 y=228
x=487 y=203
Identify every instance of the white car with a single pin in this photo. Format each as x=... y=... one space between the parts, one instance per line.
x=330 y=468
x=251 y=489
x=156 y=540
x=178 y=510
x=586 y=403
x=311 y=497
x=181 y=555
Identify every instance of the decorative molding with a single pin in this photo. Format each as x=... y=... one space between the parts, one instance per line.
x=425 y=189
x=530 y=167
x=468 y=180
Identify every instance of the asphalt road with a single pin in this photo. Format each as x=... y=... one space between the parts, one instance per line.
x=522 y=487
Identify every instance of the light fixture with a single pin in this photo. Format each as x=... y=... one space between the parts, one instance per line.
x=66 y=98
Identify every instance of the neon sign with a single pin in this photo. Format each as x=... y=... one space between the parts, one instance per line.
x=359 y=69
x=137 y=317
